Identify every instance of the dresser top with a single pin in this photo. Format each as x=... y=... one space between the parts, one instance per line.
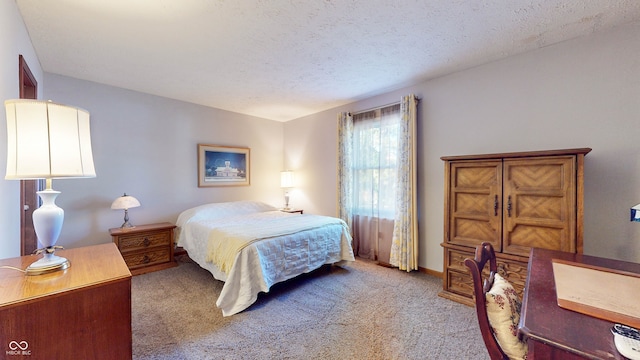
x=90 y=265
x=141 y=228
x=579 y=151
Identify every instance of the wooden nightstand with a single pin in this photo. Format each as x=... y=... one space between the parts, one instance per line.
x=292 y=211
x=146 y=248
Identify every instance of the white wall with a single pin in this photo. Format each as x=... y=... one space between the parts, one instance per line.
x=311 y=152
x=580 y=93
x=146 y=146
x=14 y=41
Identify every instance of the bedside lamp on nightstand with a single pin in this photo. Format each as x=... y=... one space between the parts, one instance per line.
x=286 y=182
x=125 y=202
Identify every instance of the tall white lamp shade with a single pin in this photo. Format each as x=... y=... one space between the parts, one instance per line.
x=286 y=182
x=47 y=141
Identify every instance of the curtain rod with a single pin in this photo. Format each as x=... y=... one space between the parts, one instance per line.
x=375 y=108
x=380 y=107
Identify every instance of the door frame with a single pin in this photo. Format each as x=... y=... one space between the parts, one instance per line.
x=29 y=200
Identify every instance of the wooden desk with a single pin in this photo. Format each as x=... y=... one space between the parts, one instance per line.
x=556 y=333
x=83 y=312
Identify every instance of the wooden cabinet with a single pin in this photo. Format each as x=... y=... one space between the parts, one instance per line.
x=515 y=201
x=146 y=248
x=83 y=312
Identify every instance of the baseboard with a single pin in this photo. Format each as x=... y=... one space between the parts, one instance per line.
x=420 y=269
x=430 y=272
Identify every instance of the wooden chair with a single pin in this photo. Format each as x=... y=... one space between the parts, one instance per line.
x=485 y=253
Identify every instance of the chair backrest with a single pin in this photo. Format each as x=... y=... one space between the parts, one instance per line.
x=485 y=253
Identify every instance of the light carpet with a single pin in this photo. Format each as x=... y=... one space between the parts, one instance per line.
x=356 y=311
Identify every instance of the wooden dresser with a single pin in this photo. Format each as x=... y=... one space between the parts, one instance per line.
x=515 y=201
x=83 y=312
x=146 y=248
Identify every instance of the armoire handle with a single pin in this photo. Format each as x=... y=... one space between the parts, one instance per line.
x=509 y=206
x=495 y=206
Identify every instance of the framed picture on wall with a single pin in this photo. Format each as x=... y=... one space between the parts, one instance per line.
x=223 y=165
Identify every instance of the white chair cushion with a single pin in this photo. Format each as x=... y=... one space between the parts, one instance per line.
x=503 y=310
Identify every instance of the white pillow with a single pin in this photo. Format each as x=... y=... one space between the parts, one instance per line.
x=503 y=310
x=221 y=210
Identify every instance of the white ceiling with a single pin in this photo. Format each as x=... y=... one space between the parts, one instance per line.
x=284 y=59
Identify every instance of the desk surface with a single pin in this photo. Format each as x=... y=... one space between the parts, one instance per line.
x=90 y=265
x=544 y=322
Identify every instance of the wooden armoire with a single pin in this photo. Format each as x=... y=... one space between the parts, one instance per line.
x=515 y=201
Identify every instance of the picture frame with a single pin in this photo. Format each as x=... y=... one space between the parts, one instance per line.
x=223 y=165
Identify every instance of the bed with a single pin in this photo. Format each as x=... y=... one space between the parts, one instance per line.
x=251 y=246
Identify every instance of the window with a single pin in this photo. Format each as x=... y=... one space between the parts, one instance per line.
x=375 y=161
x=377 y=179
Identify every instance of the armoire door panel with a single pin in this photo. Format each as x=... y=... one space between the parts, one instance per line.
x=473 y=232
x=539 y=209
x=545 y=174
x=471 y=203
x=524 y=237
x=474 y=203
x=480 y=175
x=533 y=206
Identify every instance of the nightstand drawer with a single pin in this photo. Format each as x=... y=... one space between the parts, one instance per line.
x=147 y=258
x=146 y=248
x=146 y=240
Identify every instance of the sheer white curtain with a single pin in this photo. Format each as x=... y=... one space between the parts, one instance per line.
x=374 y=162
x=371 y=177
x=404 y=248
x=345 y=143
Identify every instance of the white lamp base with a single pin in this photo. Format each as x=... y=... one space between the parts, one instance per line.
x=286 y=201
x=48 y=263
x=47 y=222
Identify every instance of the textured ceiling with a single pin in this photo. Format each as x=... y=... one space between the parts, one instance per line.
x=284 y=59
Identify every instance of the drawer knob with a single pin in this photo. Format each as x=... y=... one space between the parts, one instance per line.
x=146 y=242
x=146 y=259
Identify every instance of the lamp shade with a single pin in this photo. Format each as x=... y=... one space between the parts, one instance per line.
x=46 y=140
x=286 y=179
x=125 y=202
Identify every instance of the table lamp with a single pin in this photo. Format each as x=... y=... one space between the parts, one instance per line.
x=125 y=202
x=286 y=182
x=47 y=141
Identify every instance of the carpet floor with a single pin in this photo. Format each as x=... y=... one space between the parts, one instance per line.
x=356 y=311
